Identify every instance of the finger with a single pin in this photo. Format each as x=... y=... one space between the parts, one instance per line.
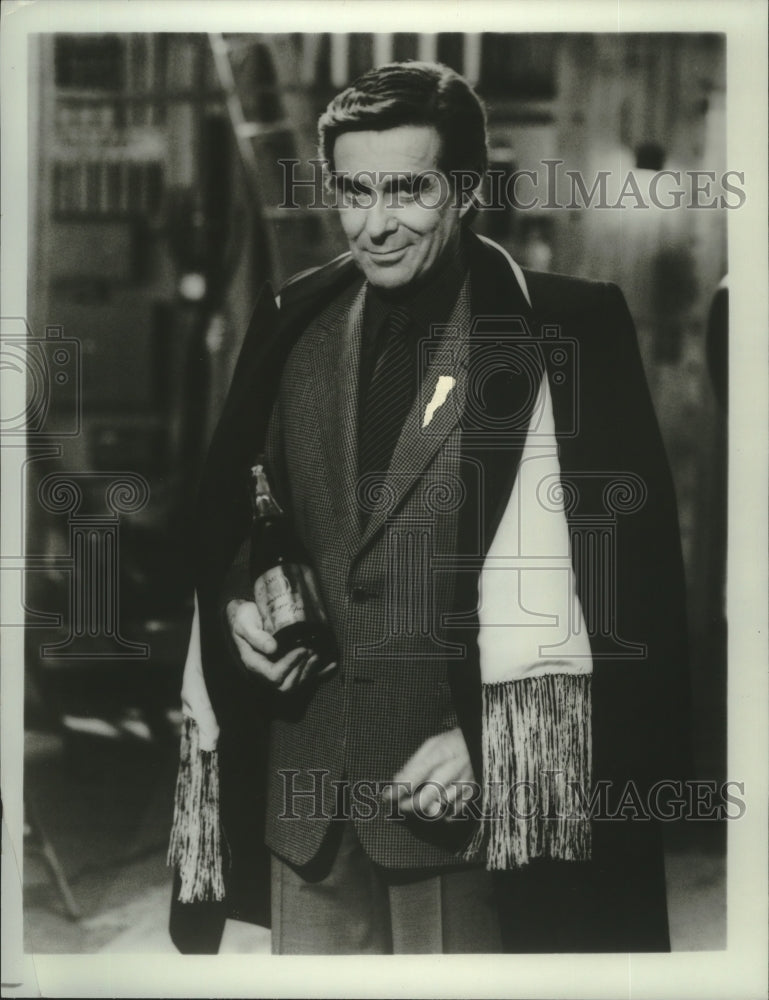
x=253 y=659
x=246 y=624
x=428 y=799
x=447 y=749
x=460 y=795
x=455 y=799
x=232 y=609
x=451 y=771
x=437 y=786
x=328 y=669
x=438 y=796
x=275 y=672
x=245 y=612
x=308 y=668
x=292 y=678
x=419 y=766
x=293 y=659
x=456 y=785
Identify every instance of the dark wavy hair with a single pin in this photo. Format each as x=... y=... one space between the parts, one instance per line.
x=412 y=93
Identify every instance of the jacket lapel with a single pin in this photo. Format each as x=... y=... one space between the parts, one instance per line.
x=427 y=424
x=337 y=360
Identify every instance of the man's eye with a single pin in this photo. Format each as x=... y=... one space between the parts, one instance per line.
x=427 y=189
x=406 y=191
x=357 y=197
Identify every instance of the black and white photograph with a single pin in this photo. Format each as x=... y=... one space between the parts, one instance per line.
x=384 y=463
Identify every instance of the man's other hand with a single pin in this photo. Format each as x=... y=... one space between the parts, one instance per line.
x=444 y=761
x=257 y=648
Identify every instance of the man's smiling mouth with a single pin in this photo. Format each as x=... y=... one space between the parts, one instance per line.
x=387 y=254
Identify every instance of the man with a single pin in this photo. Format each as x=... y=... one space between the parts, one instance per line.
x=469 y=455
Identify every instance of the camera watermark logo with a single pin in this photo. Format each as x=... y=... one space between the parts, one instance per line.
x=494 y=389
x=41 y=382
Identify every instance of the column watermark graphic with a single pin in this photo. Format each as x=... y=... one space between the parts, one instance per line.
x=92 y=562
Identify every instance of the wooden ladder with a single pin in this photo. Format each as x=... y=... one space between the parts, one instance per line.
x=267 y=81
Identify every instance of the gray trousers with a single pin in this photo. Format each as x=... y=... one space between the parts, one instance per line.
x=356 y=907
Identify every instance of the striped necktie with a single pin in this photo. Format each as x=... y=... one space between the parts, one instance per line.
x=388 y=398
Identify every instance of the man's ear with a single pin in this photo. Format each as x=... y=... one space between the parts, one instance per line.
x=470 y=192
x=471 y=203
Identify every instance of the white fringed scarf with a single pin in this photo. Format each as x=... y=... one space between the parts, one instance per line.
x=536 y=668
x=195 y=849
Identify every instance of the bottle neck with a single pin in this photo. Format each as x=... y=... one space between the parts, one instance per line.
x=263 y=502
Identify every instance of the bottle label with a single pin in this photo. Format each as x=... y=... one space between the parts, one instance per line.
x=286 y=595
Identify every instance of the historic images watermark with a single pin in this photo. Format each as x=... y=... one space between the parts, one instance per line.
x=551 y=186
x=551 y=797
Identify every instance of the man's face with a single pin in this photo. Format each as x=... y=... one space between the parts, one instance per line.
x=397 y=210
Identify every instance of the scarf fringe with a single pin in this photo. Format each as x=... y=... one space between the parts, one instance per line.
x=530 y=727
x=195 y=848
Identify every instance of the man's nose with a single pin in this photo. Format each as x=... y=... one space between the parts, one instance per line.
x=380 y=220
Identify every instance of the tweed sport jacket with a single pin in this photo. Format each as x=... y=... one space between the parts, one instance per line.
x=607 y=433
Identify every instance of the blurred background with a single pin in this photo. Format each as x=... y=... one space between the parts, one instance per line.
x=155 y=218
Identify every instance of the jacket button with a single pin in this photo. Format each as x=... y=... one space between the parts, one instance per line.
x=358 y=595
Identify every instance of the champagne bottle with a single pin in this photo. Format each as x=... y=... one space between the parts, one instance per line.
x=285 y=588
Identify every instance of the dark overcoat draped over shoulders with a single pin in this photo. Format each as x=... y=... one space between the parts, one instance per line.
x=613 y=467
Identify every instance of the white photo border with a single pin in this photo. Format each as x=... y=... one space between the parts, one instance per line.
x=741 y=969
